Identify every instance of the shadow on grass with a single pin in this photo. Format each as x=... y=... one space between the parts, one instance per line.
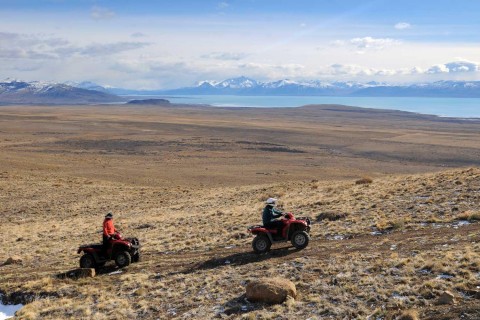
x=85 y=273
x=239 y=259
x=240 y=305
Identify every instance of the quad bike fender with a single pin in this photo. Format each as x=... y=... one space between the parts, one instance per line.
x=297 y=226
x=87 y=250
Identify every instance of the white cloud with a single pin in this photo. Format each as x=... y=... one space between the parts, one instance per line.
x=101 y=49
x=463 y=66
x=101 y=13
x=40 y=47
x=355 y=70
x=454 y=67
x=362 y=45
x=372 y=43
x=275 y=71
x=225 y=56
x=402 y=26
x=222 y=5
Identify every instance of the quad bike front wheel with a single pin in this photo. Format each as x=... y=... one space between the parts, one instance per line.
x=87 y=261
x=300 y=239
x=261 y=244
x=123 y=259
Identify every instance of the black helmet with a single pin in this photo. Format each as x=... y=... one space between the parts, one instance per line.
x=109 y=216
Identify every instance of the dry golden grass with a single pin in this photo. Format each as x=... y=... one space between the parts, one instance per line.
x=197 y=254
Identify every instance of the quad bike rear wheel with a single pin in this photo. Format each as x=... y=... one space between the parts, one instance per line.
x=87 y=261
x=123 y=259
x=261 y=244
x=300 y=239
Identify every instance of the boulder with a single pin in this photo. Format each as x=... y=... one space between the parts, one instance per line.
x=446 y=298
x=275 y=290
x=78 y=273
x=13 y=260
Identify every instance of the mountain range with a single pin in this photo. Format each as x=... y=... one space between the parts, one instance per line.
x=250 y=87
x=36 y=92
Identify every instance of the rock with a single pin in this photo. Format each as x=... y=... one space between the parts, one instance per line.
x=13 y=260
x=78 y=273
x=275 y=290
x=446 y=298
x=408 y=315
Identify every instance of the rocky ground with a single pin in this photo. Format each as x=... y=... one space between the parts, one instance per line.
x=387 y=244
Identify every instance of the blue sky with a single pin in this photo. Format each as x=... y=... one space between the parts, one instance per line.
x=165 y=44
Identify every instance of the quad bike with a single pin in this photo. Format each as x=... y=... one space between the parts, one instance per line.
x=122 y=250
x=294 y=229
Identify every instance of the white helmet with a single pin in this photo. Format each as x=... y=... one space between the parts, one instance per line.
x=271 y=201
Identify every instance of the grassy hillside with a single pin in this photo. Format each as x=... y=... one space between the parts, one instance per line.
x=381 y=245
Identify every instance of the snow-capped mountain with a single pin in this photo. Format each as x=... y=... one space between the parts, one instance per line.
x=247 y=86
x=88 y=85
x=21 y=92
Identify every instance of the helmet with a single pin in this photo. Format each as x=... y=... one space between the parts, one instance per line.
x=109 y=216
x=271 y=201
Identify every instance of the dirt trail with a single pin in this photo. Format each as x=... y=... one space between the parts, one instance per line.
x=402 y=241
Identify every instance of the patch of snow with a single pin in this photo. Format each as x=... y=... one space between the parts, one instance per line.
x=115 y=272
x=8 y=311
x=445 y=276
x=425 y=271
x=461 y=223
x=396 y=295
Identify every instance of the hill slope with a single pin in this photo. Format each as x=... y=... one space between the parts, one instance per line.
x=20 y=92
x=197 y=255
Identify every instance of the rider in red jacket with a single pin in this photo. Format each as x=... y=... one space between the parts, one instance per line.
x=108 y=230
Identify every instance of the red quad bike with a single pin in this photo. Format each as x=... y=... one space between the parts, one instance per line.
x=294 y=229
x=122 y=250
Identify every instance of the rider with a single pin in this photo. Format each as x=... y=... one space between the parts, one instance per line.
x=108 y=231
x=270 y=215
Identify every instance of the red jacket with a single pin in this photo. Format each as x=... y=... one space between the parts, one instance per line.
x=108 y=228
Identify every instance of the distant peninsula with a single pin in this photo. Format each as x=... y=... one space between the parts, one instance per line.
x=157 y=102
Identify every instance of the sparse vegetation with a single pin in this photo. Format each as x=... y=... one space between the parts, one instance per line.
x=197 y=254
x=364 y=180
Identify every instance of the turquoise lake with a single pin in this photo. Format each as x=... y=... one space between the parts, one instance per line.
x=444 y=107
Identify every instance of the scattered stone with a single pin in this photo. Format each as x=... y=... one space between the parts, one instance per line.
x=364 y=180
x=408 y=315
x=13 y=260
x=78 y=273
x=446 y=298
x=140 y=292
x=274 y=291
x=331 y=216
x=145 y=226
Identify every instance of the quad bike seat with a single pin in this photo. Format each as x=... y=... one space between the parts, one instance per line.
x=272 y=231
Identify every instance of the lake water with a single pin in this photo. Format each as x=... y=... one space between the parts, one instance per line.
x=444 y=107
